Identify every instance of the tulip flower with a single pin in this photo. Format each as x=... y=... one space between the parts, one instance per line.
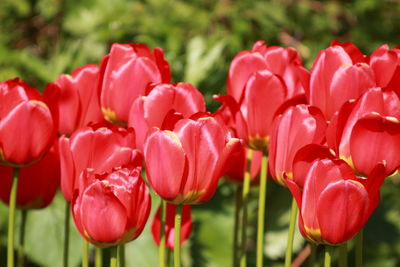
x=386 y=66
x=37 y=183
x=329 y=213
x=98 y=147
x=126 y=74
x=111 y=208
x=335 y=80
x=151 y=110
x=169 y=226
x=26 y=126
x=184 y=165
x=365 y=132
x=296 y=127
x=75 y=99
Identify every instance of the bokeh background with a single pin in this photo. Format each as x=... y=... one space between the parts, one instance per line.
x=40 y=39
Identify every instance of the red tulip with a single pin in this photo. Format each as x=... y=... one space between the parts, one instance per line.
x=125 y=75
x=353 y=51
x=186 y=225
x=296 y=127
x=334 y=204
x=26 y=125
x=183 y=166
x=97 y=147
x=348 y=130
x=386 y=66
x=334 y=80
x=75 y=99
x=111 y=208
x=37 y=183
x=150 y=111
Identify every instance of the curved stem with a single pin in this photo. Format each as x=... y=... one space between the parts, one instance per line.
x=289 y=247
x=21 y=256
x=238 y=204
x=114 y=256
x=261 y=210
x=121 y=251
x=66 y=235
x=98 y=253
x=328 y=256
x=163 y=216
x=85 y=253
x=11 y=218
x=359 y=249
x=343 y=255
x=177 y=237
x=245 y=197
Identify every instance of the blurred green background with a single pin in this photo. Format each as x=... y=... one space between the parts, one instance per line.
x=40 y=39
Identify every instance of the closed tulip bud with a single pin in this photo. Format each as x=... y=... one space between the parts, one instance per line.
x=334 y=204
x=184 y=165
x=296 y=127
x=151 y=110
x=186 y=225
x=126 y=74
x=75 y=99
x=99 y=147
x=26 y=126
x=112 y=208
x=37 y=183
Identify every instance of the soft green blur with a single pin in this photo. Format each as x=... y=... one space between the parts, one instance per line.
x=40 y=39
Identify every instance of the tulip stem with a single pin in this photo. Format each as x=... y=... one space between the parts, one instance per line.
x=66 y=235
x=313 y=255
x=359 y=249
x=245 y=197
x=177 y=237
x=121 y=251
x=98 y=254
x=238 y=204
x=21 y=256
x=163 y=216
x=343 y=255
x=11 y=218
x=261 y=210
x=114 y=256
x=289 y=247
x=85 y=253
x=328 y=256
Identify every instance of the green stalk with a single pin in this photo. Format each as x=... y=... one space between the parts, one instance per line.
x=359 y=249
x=343 y=255
x=21 y=256
x=66 y=235
x=114 y=256
x=245 y=197
x=11 y=219
x=328 y=256
x=98 y=254
x=121 y=250
x=313 y=255
x=85 y=253
x=289 y=247
x=238 y=204
x=163 y=216
x=261 y=210
x=177 y=237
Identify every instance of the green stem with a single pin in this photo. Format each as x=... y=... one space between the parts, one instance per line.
x=121 y=256
x=163 y=216
x=98 y=253
x=343 y=255
x=169 y=251
x=11 y=219
x=66 y=235
x=261 y=210
x=238 y=204
x=313 y=255
x=328 y=256
x=359 y=249
x=85 y=253
x=114 y=256
x=289 y=247
x=21 y=256
x=245 y=197
x=177 y=237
